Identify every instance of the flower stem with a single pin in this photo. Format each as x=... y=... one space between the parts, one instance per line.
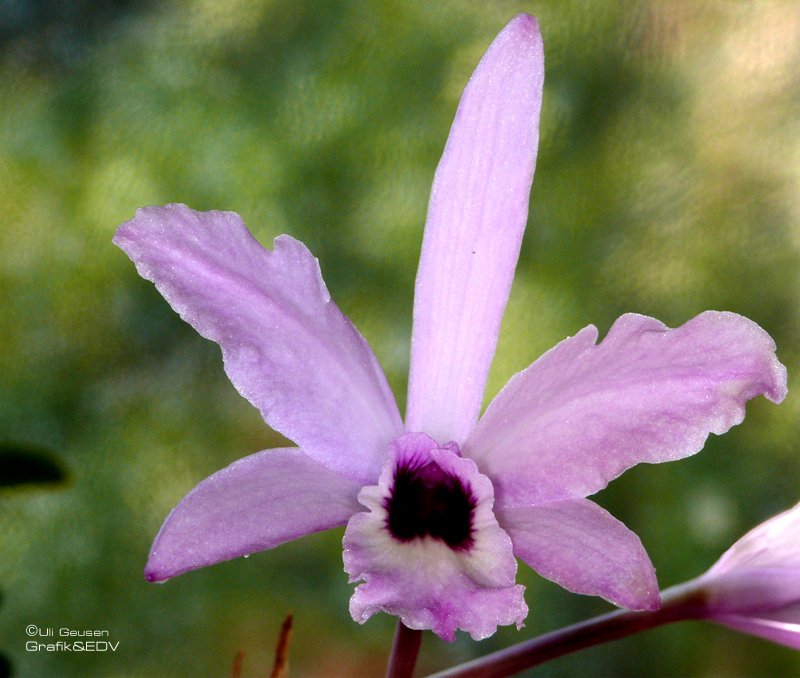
x=405 y=649
x=678 y=603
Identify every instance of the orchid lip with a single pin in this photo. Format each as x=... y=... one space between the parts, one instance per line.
x=425 y=501
x=429 y=548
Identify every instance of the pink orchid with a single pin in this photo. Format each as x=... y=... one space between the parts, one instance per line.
x=437 y=508
x=755 y=586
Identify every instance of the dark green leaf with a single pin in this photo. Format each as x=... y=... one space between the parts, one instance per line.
x=22 y=464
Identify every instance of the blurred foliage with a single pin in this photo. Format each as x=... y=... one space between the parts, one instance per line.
x=667 y=184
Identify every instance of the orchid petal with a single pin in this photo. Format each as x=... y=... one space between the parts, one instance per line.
x=584 y=413
x=476 y=217
x=425 y=582
x=774 y=544
x=783 y=633
x=760 y=591
x=755 y=586
x=580 y=546
x=254 y=504
x=286 y=346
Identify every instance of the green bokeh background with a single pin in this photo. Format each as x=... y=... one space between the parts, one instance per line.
x=667 y=184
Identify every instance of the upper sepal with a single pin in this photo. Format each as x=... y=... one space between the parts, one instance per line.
x=476 y=217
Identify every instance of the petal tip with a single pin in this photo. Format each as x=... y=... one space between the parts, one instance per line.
x=154 y=575
x=524 y=28
x=651 y=603
x=526 y=23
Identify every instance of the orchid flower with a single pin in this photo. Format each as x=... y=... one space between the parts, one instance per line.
x=438 y=508
x=755 y=586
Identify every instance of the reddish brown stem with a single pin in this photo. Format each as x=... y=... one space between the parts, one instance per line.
x=405 y=650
